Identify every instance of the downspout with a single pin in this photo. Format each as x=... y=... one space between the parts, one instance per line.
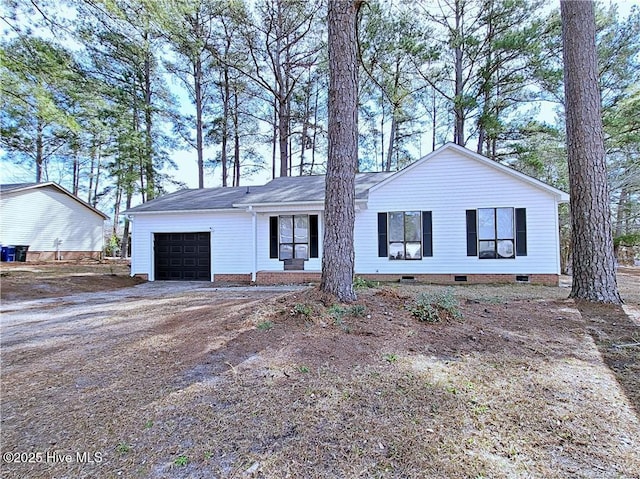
x=132 y=261
x=103 y=252
x=254 y=243
x=558 y=240
x=212 y=271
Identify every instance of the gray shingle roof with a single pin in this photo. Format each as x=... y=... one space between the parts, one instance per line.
x=15 y=186
x=292 y=189
x=195 y=199
x=300 y=189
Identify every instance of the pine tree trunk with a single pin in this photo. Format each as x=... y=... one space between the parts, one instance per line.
x=458 y=107
x=392 y=139
x=94 y=201
x=283 y=134
x=150 y=171
x=39 y=151
x=315 y=131
x=339 y=211
x=236 y=141
x=621 y=212
x=594 y=276
x=274 y=139
x=434 y=121
x=197 y=87
x=305 y=125
x=225 y=126
x=76 y=173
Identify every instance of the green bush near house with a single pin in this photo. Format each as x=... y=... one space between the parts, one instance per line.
x=434 y=307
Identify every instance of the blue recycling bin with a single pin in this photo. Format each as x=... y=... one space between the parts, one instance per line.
x=8 y=253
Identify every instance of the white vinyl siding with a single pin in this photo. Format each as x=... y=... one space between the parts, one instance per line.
x=48 y=220
x=231 y=239
x=448 y=185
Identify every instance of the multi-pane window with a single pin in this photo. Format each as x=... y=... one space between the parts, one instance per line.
x=293 y=237
x=496 y=233
x=405 y=235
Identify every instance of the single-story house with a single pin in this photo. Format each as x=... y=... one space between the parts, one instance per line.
x=55 y=224
x=452 y=216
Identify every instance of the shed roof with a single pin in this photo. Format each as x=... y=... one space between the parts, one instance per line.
x=21 y=187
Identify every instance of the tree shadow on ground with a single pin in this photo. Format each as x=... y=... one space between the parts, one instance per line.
x=617 y=338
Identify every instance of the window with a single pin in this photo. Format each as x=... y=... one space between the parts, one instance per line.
x=293 y=237
x=404 y=235
x=496 y=233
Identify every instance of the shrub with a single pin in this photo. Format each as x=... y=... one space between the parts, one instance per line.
x=436 y=307
x=630 y=239
x=361 y=283
x=303 y=310
x=390 y=358
x=336 y=312
x=265 y=326
x=357 y=310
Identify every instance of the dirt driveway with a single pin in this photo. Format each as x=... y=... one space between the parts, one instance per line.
x=92 y=356
x=87 y=317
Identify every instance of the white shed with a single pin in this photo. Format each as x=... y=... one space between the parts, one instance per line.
x=54 y=223
x=452 y=216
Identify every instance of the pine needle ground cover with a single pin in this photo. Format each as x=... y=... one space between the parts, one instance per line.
x=521 y=383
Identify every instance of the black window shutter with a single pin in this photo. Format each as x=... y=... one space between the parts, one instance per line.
x=427 y=236
x=313 y=236
x=273 y=236
x=521 y=232
x=472 y=234
x=383 y=250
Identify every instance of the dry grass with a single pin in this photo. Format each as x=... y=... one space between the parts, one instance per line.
x=21 y=281
x=282 y=388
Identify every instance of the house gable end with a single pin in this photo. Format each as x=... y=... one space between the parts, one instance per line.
x=15 y=190
x=453 y=149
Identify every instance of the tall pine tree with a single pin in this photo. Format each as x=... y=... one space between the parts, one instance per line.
x=342 y=163
x=594 y=276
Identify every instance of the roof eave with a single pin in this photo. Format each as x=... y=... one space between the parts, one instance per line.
x=278 y=204
x=170 y=212
x=288 y=203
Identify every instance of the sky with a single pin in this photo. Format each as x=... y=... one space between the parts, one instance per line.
x=187 y=171
x=186 y=161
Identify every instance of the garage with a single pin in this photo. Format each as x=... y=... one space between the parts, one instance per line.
x=182 y=256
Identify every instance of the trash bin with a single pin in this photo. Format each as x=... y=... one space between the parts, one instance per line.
x=8 y=253
x=21 y=253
